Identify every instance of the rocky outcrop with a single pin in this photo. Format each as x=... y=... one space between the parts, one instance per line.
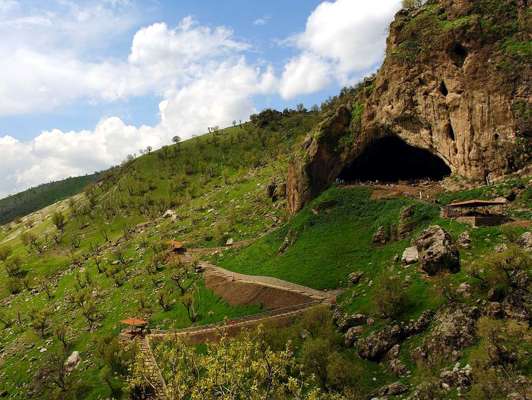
x=375 y=346
x=437 y=251
x=381 y=236
x=320 y=161
x=525 y=241
x=453 y=329
x=450 y=84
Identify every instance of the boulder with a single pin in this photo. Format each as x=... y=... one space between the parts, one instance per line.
x=410 y=255
x=464 y=240
x=378 y=343
x=525 y=241
x=437 y=251
x=352 y=334
x=170 y=214
x=72 y=361
x=457 y=377
x=406 y=225
x=381 y=236
x=351 y=320
x=393 y=389
x=354 y=277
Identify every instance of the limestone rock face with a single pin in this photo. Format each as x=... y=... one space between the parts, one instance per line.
x=447 y=86
x=319 y=166
x=437 y=251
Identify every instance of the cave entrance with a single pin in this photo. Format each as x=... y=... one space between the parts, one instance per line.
x=390 y=159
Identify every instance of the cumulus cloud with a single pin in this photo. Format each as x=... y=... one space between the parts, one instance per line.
x=216 y=94
x=200 y=73
x=308 y=73
x=345 y=37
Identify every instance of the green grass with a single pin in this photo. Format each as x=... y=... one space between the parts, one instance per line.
x=331 y=244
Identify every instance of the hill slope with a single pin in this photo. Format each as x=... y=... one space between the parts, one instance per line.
x=33 y=199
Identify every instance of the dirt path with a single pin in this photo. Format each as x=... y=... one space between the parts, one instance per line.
x=425 y=190
x=152 y=373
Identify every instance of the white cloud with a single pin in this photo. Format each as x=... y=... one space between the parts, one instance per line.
x=262 y=20
x=345 y=37
x=200 y=73
x=219 y=97
x=305 y=74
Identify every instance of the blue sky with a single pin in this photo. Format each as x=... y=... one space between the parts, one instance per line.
x=87 y=82
x=261 y=23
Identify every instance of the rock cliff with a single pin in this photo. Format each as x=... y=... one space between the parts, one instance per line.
x=455 y=82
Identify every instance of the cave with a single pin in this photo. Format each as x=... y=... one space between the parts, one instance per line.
x=458 y=54
x=390 y=159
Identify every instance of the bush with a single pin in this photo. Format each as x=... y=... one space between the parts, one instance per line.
x=14 y=285
x=501 y=357
x=391 y=300
x=503 y=272
x=5 y=252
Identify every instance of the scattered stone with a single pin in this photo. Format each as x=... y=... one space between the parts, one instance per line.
x=406 y=225
x=354 y=277
x=381 y=236
x=464 y=289
x=72 y=361
x=349 y=321
x=393 y=389
x=304 y=334
x=437 y=251
x=525 y=241
x=410 y=255
x=464 y=240
x=397 y=367
x=457 y=377
x=494 y=310
x=352 y=335
x=377 y=344
x=170 y=214
x=500 y=248
x=453 y=328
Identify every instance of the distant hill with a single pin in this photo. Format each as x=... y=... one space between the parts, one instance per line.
x=38 y=197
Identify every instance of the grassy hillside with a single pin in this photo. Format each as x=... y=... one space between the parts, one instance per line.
x=34 y=199
x=109 y=260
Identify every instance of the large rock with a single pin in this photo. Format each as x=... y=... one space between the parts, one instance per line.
x=381 y=236
x=525 y=241
x=437 y=251
x=452 y=100
x=377 y=345
x=410 y=255
x=72 y=361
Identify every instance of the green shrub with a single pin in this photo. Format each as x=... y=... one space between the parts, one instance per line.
x=391 y=299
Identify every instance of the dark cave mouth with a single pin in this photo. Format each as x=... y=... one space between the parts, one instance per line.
x=390 y=160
